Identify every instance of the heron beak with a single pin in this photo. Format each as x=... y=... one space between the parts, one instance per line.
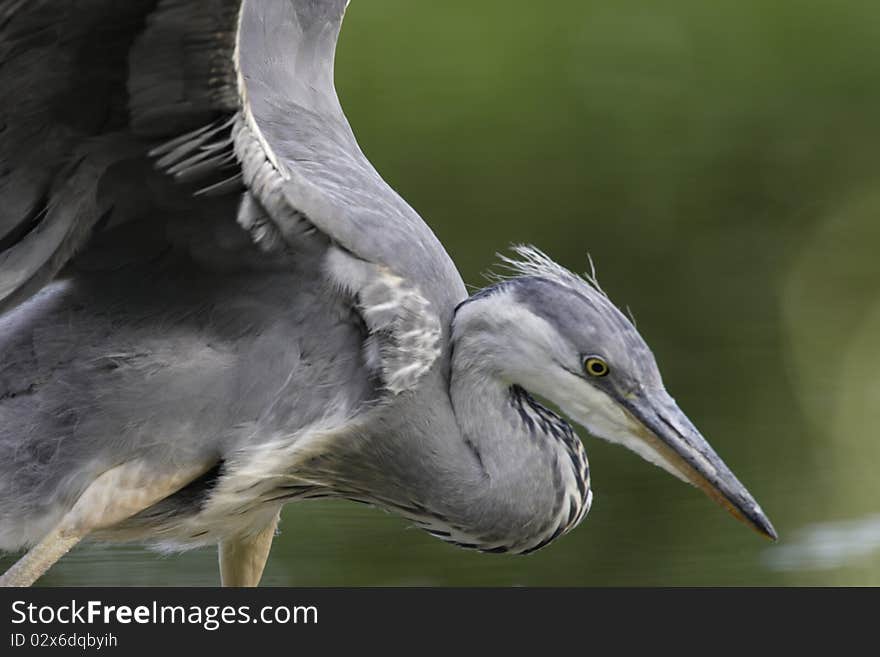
x=683 y=449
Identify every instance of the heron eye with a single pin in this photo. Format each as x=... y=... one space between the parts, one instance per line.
x=595 y=366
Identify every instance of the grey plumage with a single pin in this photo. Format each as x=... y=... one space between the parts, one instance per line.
x=263 y=311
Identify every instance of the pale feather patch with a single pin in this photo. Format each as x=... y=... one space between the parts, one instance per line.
x=402 y=323
x=255 y=477
x=123 y=491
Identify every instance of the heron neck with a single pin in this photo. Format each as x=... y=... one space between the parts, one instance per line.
x=534 y=470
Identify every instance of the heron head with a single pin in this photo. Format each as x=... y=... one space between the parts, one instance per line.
x=564 y=340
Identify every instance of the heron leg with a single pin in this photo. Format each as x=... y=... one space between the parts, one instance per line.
x=242 y=559
x=39 y=558
x=112 y=497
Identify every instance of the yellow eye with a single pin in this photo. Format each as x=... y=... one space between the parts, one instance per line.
x=595 y=366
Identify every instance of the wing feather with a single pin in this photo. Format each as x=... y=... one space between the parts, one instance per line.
x=310 y=158
x=227 y=96
x=59 y=132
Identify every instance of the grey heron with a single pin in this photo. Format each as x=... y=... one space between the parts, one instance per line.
x=214 y=305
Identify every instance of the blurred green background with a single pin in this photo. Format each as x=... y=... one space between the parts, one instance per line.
x=720 y=163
